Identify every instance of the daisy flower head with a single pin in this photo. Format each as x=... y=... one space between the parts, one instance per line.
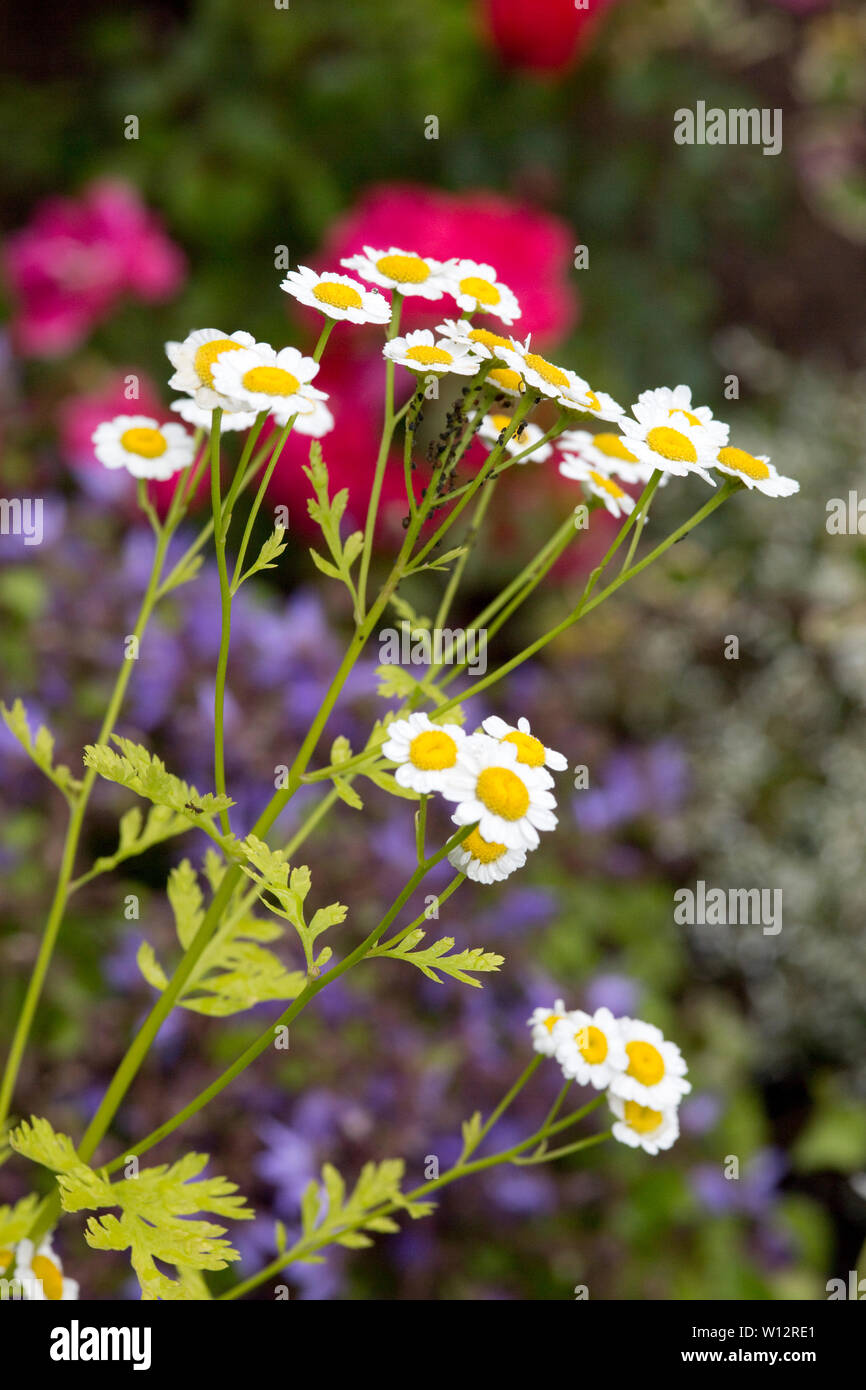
x=524 y=437
x=589 y=1048
x=557 y=383
x=200 y=419
x=616 y=499
x=677 y=398
x=425 y=751
x=315 y=422
x=542 y=1022
x=41 y=1274
x=755 y=470
x=655 y=1072
x=194 y=359
x=507 y=381
x=142 y=446
x=475 y=287
x=485 y=861
x=262 y=379
x=530 y=750
x=602 y=406
x=337 y=296
x=421 y=352
x=482 y=341
x=508 y=800
x=605 y=452
x=642 y=1126
x=404 y=271
x=668 y=439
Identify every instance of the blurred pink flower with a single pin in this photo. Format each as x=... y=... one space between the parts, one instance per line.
x=531 y=251
x=77 y=257
x=545 y=37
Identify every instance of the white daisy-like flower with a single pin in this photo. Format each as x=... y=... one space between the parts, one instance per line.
x=404 y=271
x=655 y=1074
x=616 y=499
x=557 y=383
x=475 y=287
x=604 y=452
x=589 y=1047
x=671 y=441
x=542 y=1022
x=602 y=406
x=41 y=1274
x=203 y=419
x=482 y=341
x=530 y=750
x=508 y=800
x=755 y=470
x=143 y=446
x=193 y=361
x=485 y=861
x=421 y=352
x=424 y=750
x=524 y=437
x=507 y=381
x=315 y=422
x=642 y=1126
x=337 y=296
x=262 y=379
x=674 y=398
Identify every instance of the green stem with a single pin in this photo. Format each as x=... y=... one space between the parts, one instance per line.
x=226 y=618
x=381 y=460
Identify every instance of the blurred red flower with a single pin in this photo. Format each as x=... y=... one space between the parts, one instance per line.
x=77 y=257
x=546 y=36
x=531 y=251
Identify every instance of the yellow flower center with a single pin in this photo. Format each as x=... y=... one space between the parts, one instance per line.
x=692 y=419
x=479 y=289
x=611 y=446
x=743 y=462
x=488 y=339
x=503 y=793
x=506 y=378
x=672 y=444
x=337 y=295
x=207 y=354
x=409 y=270
x=546 y=370
x=551 y=1022
x=433 y=750
x=641 y=1118
x=6 y=1258
x=270 y=381
x=593 y=401
x=529 y=749
x=49 y=1275
x=645 y=1063
x=486 y=851
x=591 y=1044
x=430 y=356
x=606 y=484
x=147 y=443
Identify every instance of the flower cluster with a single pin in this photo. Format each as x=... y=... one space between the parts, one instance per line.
x=642 y=1073
x=498 y=778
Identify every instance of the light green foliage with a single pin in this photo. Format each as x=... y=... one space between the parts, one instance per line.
x=15 y=1222
x=141 y=772
x=155 y=1208
x=40 y=749
x=471 y=1132
x=328 y=513
x=436 y=956
x=286 y=891
x=417 y=622
x=235 y=971
x=269 y=553
x=440 y=562
x=138 y=835
x=342 y=1219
